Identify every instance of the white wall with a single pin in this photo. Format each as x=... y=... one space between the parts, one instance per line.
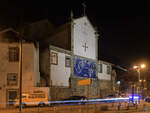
x=59 y=73
x=104 y=75
x=84 y=33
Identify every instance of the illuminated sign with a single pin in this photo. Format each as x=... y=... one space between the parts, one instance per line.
x=84 y=82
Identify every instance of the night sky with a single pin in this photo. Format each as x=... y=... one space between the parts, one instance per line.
x=124 y=32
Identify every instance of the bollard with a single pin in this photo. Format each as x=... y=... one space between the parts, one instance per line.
x=95 y=108
x=144 y=107
x=136 y=106
x=119 y=107
x=112 y=104
x=80 y=110
x=128 y=107
x=38 y=110
x=55 y=110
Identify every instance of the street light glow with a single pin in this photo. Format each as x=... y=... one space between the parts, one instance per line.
x=138 y=69
x=142 y=65
x=135 y=67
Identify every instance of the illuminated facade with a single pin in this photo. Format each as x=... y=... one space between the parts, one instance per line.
x=66 y=56
x=77 y=40
x=106 y=78
x=9 y=71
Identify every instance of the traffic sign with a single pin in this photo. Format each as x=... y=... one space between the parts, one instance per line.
x=84 y=82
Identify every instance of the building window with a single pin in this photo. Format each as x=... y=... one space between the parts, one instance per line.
x=108 y=69
x=12 y=95
x=12 y=79
x=67 y=61
x=100 y=68
x=54 y=58
x=13 y=54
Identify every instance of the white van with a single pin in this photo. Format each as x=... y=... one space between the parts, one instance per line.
x=33 y=99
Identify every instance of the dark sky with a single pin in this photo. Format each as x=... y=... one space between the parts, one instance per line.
x=124 y=32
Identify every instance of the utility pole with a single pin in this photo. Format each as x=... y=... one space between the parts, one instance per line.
x=20 y=73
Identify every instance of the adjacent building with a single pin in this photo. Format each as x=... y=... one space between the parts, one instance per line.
x=9 y=70
x=107 y=78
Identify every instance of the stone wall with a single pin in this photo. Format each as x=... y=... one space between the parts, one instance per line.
x=93 y=88
x=105 y=87
x=58 y=93
x=97 y=89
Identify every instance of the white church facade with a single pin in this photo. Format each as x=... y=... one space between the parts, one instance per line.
x=72 y=55
x=84 y=39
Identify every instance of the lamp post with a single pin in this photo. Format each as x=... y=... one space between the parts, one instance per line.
x=138 y=68
x=142 y=86
x=20 y=72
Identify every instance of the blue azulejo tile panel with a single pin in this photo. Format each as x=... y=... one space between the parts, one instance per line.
x=84 y=68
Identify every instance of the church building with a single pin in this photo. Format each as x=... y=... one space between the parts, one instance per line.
x=71 y=56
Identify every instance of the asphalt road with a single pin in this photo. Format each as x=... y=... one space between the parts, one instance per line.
x=94 y=108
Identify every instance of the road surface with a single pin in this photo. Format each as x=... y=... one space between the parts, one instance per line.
x=92 y=108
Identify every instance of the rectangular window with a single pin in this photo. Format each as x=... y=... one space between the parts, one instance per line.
x=108 y=70
x=67 y=61
x=13 y=54
x=12 y=95
x=12 y=79
x=54 y=58
x=100 y=68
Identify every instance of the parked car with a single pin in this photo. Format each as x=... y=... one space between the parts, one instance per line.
x=70 y=101
x=80 y=98
x=33 y=99
x=110 y=96
x=147 y=99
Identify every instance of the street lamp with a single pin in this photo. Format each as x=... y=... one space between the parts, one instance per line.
x=138 y=68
